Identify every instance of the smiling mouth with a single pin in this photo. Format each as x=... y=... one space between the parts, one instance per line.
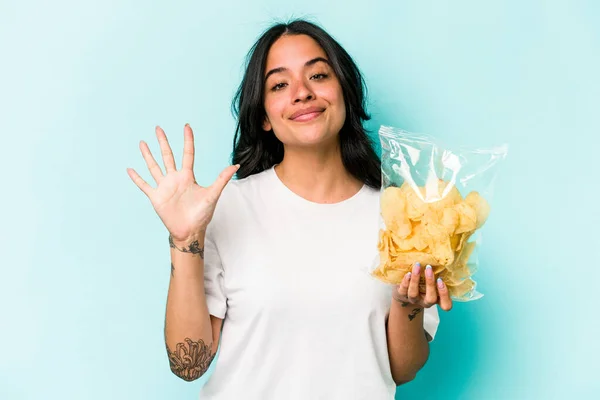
x=307 y=117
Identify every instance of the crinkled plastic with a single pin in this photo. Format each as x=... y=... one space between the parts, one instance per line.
x=434 y=202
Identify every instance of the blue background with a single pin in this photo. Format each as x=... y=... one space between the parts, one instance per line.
x=85 y=260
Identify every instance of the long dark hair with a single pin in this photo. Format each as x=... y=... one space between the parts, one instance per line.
x=256 y=150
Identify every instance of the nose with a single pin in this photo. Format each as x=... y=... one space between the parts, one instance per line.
x=303 y=93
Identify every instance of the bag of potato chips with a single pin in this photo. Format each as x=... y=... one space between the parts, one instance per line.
x=434 y=201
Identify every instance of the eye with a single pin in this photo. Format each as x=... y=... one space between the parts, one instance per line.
x=319 y=76
x=278 y=86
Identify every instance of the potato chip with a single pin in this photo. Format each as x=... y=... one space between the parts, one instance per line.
x=401 y=227
x=415 y=204
x=449 y=280
x=409 y=258
x=463 y=289
x=393 y=211
x=467 y=218
x=389 y=275
x=398 y=244
x=385 y=253
x=456 y=275
x=438 y=242
x=447 y=195
x=464 y=237
x=394 y=244
x=481 y=207
x=417 y=239
x=450 y=220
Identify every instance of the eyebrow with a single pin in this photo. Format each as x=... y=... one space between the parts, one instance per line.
x=307 y=64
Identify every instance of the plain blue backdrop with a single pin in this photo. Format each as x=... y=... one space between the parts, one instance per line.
x=85 y=260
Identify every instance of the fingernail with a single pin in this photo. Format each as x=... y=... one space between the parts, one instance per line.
x=187 y=124
x=408 y=275
x=429 y=271
x=440 y=283
x=237 y=166
x=417 y=268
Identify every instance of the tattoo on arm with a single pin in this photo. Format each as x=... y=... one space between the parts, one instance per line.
x=190 y=360
x=414 y=313
x=194 y=247
x=402 y=302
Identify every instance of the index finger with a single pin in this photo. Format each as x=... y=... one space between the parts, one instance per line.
x=188 y=148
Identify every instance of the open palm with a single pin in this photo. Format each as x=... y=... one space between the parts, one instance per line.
x=184 y=207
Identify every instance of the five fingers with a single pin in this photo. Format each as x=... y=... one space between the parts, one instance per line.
x=169 y=162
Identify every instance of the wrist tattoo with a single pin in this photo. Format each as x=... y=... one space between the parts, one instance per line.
x=414 y=313
x=194 y=247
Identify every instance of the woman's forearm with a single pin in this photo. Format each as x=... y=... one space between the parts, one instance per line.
x=408 y=347
x=188 y=331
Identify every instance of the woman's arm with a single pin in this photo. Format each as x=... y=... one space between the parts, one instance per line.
x=191 y=334
x=408 y=346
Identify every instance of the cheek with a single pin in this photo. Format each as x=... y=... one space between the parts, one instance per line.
x=274 y=109
x=337 y=98
x=334 y=96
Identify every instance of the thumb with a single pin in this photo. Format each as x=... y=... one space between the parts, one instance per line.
x=223 y=178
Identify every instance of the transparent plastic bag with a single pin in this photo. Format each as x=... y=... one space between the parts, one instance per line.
x=434 y=201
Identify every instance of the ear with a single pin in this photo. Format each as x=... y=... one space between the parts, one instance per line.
x=267 y=124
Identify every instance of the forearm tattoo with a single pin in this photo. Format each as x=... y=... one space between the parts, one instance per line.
x=414 y=313
x=190 y=360
x=194 y=247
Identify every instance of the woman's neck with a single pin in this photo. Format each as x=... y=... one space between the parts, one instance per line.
x=317 y=177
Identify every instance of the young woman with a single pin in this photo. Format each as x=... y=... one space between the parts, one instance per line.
x=271 y=266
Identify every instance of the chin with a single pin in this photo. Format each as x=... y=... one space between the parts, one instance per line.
x=311 y=135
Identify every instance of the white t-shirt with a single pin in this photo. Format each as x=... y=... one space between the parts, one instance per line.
x=302 y=318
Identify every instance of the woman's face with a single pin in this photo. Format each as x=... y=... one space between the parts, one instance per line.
x=303 y=97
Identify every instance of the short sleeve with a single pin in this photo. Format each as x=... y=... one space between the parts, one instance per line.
x=213 y=278
x=431 y=321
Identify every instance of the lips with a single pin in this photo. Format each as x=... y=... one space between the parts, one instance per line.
x=307 y=114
